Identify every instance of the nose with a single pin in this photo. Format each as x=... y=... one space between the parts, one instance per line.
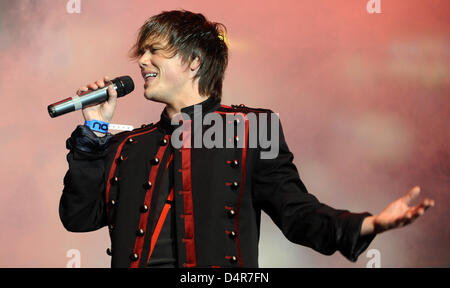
x=144 y=60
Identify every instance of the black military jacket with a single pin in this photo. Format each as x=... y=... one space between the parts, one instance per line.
x=219 y=193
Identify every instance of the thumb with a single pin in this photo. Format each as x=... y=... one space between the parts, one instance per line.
x=112 y=99
x=411 y=195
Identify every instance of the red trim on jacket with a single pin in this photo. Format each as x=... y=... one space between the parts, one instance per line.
x=139 y=243
x=160 y=187
x=241 y=188
x=170 y=160
x=189 y=237
x=159 y=225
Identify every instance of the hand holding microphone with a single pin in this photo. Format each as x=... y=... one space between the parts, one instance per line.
x=98 y=99
x=103 y=111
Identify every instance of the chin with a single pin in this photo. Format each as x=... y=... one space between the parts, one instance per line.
x=154 y=98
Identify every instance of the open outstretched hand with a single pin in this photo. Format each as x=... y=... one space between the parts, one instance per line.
x=397 y=214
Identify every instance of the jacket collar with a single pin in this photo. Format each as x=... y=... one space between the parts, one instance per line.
x=209 y=105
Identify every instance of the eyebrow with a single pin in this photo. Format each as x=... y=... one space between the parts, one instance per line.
x=147 y=45
x=153 y=45
x=152 y=41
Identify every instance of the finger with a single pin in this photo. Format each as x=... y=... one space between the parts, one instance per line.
x=409 y=215
x=82 y=89
x=92 y=86
x=100 y=83
x=417 y=211
x=416 y=214
x=112 y=94
x=107 y=80
x=428 y=203
x=407 y=218
x=411 y=195
x=422 y=207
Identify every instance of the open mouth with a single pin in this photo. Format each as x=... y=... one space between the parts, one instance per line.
x=150 y=75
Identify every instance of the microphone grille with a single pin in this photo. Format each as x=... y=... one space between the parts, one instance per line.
x=125 y=85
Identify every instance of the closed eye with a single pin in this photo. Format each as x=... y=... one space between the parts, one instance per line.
x=152 y=50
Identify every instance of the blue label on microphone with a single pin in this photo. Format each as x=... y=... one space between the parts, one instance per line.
x=97 y=125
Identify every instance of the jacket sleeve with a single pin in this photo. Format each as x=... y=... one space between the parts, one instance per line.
x=82 y=204
x=304 y=220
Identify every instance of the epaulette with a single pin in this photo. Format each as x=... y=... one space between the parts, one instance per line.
x=145 y=126
x=238 y=106
x=249 y=109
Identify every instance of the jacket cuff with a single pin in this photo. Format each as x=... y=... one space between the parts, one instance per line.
x=85 y=142
x=353 y=244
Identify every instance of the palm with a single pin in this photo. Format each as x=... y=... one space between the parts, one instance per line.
x=103 y=112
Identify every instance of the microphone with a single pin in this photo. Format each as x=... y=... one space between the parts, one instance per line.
x=123 y=85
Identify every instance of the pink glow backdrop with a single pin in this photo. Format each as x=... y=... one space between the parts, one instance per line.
x=363 y=98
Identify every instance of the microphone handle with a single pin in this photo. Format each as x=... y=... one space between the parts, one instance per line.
x=76 y=102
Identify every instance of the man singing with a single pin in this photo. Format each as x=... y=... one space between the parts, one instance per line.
x=186 y=205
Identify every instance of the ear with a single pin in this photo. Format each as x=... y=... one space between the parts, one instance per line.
x=195 y=64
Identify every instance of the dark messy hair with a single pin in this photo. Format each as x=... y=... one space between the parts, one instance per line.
x=190 y=35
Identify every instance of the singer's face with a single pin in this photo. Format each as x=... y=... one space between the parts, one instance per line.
x=172 y=77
